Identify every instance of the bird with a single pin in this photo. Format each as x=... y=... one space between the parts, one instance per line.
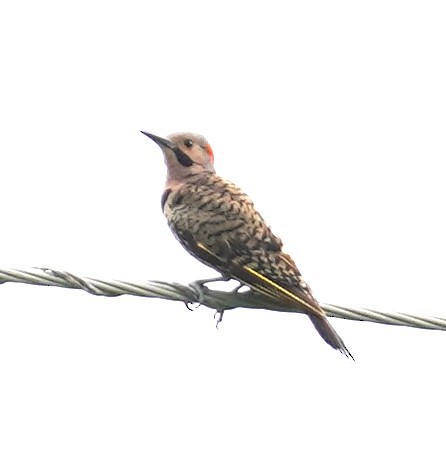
x=217 y=223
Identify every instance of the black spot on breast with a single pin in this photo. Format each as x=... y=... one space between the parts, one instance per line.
x=177 y=199
x=164 y=197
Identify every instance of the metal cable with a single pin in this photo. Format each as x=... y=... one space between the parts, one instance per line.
x=214 y=299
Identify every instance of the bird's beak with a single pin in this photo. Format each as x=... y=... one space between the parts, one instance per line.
x=160 y=141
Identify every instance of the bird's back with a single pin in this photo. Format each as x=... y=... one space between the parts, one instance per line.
x=210 y=212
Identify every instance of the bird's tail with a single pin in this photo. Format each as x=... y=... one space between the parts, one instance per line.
x=329 y=334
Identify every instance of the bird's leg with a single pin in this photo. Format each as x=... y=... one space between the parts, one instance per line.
x=199 y=288
x=238 y=287
x=219 y=312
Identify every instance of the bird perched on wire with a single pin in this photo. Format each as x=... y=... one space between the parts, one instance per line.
x=217 y=224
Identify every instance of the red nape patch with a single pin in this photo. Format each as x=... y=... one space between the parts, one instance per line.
x=210 y=153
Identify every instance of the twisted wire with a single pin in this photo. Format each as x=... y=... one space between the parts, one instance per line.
x=214 y=299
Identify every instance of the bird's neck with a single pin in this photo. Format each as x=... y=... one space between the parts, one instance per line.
x=176 y=180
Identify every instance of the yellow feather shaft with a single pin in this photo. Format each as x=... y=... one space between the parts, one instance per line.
x=270 y=283
x=280 y=288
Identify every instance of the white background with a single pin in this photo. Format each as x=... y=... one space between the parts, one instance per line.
x=331 y=116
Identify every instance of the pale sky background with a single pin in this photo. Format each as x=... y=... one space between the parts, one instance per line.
x=331 y=116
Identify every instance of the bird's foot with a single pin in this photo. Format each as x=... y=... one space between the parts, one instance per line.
x=199 y=294
x=219 y=315
x=199 y=288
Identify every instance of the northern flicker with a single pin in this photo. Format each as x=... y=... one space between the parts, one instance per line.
x=217 y=224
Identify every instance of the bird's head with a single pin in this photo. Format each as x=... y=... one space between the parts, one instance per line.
x=185 y=154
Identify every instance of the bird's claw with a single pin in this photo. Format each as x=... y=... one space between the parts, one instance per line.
x=186 y=303
x=218 y=313
x=199 y=290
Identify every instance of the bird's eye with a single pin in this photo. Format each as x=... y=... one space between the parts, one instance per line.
x=188 y=143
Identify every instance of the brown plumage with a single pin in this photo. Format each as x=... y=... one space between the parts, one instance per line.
x=217 y=223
